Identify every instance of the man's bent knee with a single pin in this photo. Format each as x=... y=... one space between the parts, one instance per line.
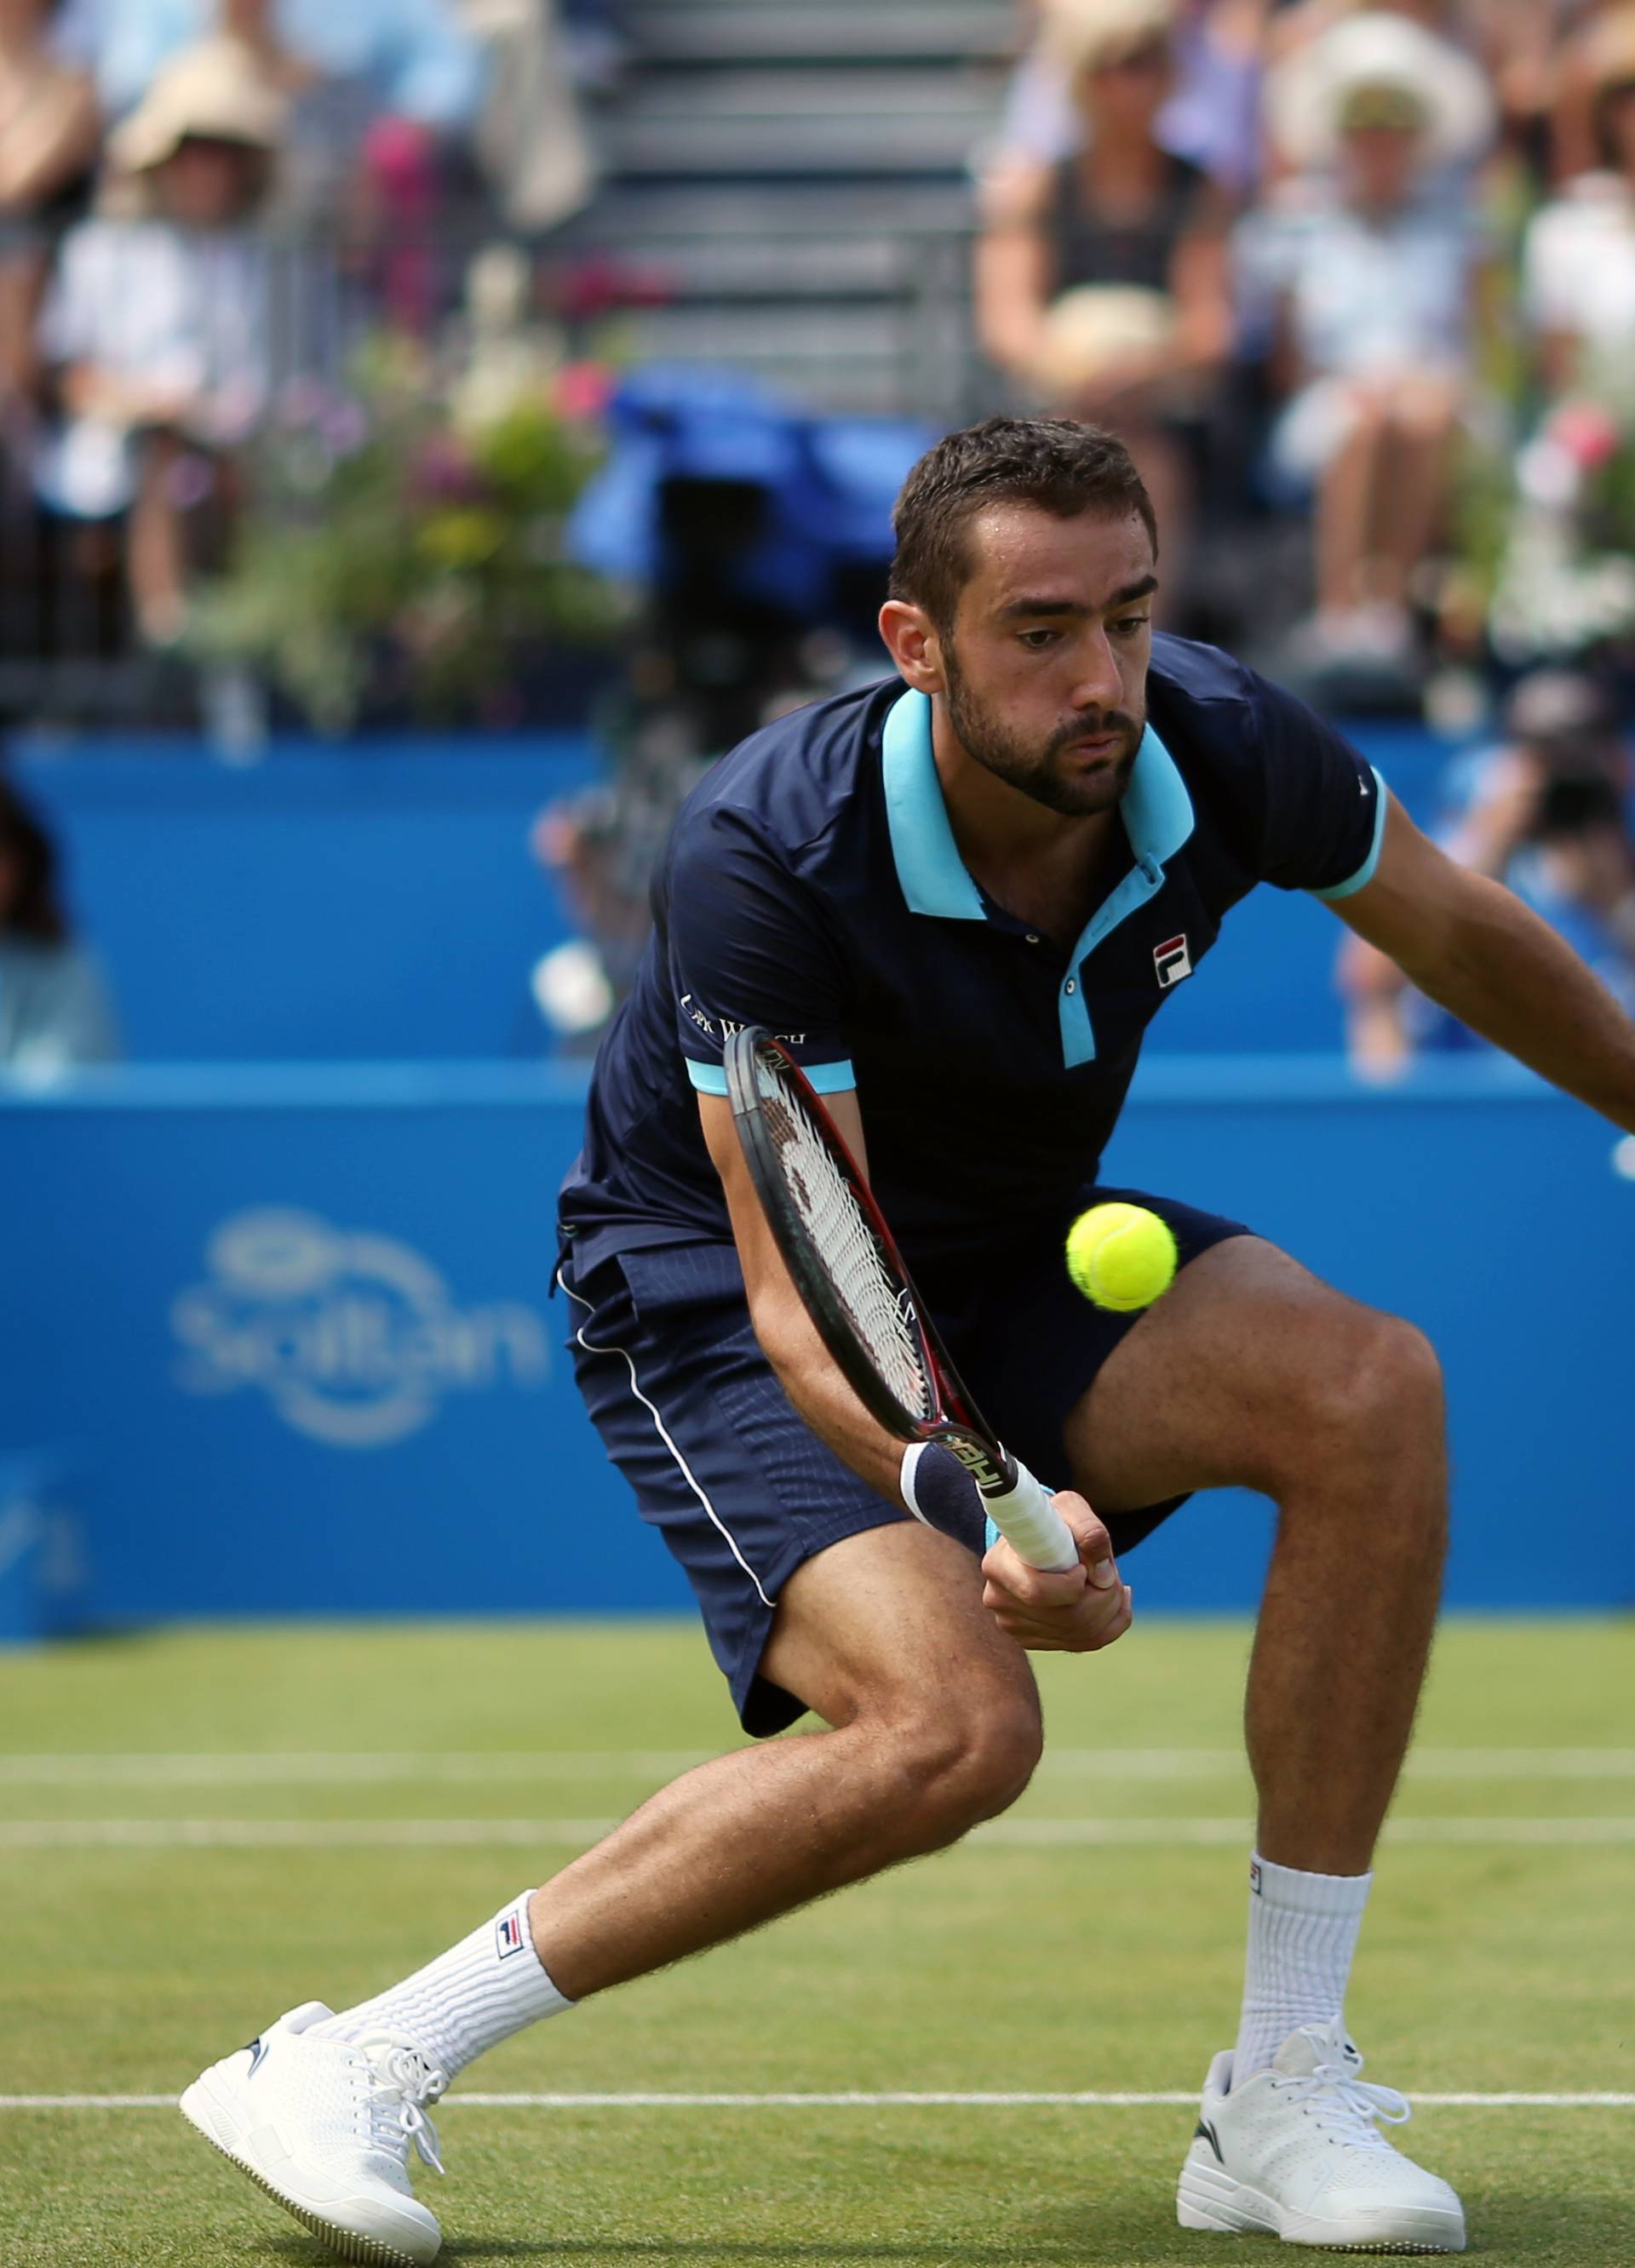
x=946 y=1768
x=1390 y=1389
x=1372 y=1399
x=885 y=1636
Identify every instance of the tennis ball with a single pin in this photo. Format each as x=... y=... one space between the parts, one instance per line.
x=1121 y=1256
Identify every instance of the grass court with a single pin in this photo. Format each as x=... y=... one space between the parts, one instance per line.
x=198 y=1830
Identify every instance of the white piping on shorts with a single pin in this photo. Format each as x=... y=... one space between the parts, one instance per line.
x=716 y=1520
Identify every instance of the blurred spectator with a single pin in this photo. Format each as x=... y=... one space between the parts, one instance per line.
x=410 y=56
x=1579 y=257
x=1368 y=277
x=54 y=1007
x=529 y=139
x=49 y=130
x=1210 y=114
x=383 y=93
x=1101 y=278
x=1543 y=813
x=157 y=326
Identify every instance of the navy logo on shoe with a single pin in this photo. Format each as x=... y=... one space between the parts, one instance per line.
x=255 y=2049
x=1206 y=2133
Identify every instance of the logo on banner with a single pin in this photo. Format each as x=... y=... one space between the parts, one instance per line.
x=354 y=1338
x=1172 y=961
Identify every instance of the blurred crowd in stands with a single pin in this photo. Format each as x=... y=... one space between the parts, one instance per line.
x=1357 y=283
x=1377 y=264
x=155 y=155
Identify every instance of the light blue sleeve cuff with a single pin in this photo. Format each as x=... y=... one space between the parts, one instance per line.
x=828 y=1078
x=1365 y=872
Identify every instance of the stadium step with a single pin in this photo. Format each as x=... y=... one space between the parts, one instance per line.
x=856 y=123
x=883 y=361
x=740 y=267
x=822 y=31
x=774 y=212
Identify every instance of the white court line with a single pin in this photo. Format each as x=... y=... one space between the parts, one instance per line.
x=317 y=1769
x=295 y=1768
x=1088 y=2100
x=418 y=1834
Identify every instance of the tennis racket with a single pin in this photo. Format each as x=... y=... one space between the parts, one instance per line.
x=859 y=1295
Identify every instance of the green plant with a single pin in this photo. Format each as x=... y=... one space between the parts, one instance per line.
x=403 y=540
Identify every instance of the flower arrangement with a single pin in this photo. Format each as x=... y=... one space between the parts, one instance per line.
x=402 y=543
x=1548 y=525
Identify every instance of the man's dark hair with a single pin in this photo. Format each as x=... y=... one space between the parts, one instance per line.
x=35 y=911
x=1054 y=463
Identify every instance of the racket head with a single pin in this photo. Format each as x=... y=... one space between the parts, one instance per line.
x=834 y=1239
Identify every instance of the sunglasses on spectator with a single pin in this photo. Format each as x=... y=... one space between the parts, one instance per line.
x=1153 y=57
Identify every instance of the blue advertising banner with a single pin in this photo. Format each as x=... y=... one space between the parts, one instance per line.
x=287 y=1333
x=381 y=901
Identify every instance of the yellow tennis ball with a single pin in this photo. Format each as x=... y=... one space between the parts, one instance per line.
x=1121 y=1256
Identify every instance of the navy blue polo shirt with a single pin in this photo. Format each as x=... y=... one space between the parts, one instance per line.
x=813 y=885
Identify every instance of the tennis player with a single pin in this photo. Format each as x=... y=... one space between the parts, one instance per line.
x=960 y=897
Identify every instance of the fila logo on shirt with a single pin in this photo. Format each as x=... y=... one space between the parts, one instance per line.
x=508 y=1934
x=1172 y=961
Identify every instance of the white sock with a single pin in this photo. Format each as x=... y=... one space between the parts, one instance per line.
x=1302 y=1934
x=479 y=1992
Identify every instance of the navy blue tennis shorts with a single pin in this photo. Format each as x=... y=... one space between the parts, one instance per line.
x=741 y=1490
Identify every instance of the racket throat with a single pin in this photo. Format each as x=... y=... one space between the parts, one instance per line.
x=992 y=1469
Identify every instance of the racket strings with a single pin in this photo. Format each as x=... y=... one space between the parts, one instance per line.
x=865 y=1283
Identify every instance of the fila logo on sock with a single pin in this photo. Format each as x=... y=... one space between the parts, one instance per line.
x=1255 y=1876
x=1172 y=961
x=508 y=1934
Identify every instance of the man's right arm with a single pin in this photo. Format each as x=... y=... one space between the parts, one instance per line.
x=805 y=1369
x=1078 y=1612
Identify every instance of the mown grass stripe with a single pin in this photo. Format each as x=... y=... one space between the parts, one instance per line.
x=1016 y=1834
x=345 y=1767
x=1043 y=2099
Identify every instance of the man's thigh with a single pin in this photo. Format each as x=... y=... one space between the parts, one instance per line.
x=1222 y=1383
x=745 y=1497
x=890 y=1621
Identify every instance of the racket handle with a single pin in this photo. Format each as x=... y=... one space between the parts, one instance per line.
x=1026 y=1517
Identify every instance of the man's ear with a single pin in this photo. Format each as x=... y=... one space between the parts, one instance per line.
x=912 y=641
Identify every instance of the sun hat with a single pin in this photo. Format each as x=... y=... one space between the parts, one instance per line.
x=1081 y=35
x=1380 y=69
x=216 y=91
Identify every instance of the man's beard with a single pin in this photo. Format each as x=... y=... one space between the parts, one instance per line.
x=1035 y=769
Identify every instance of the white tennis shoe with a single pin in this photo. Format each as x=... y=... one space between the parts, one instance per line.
x=1295 y=2153
x=325 y=2126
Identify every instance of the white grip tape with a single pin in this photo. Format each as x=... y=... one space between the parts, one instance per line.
x=1031 y=1525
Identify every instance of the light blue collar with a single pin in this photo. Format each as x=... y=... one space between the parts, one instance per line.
x=1156 y=809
